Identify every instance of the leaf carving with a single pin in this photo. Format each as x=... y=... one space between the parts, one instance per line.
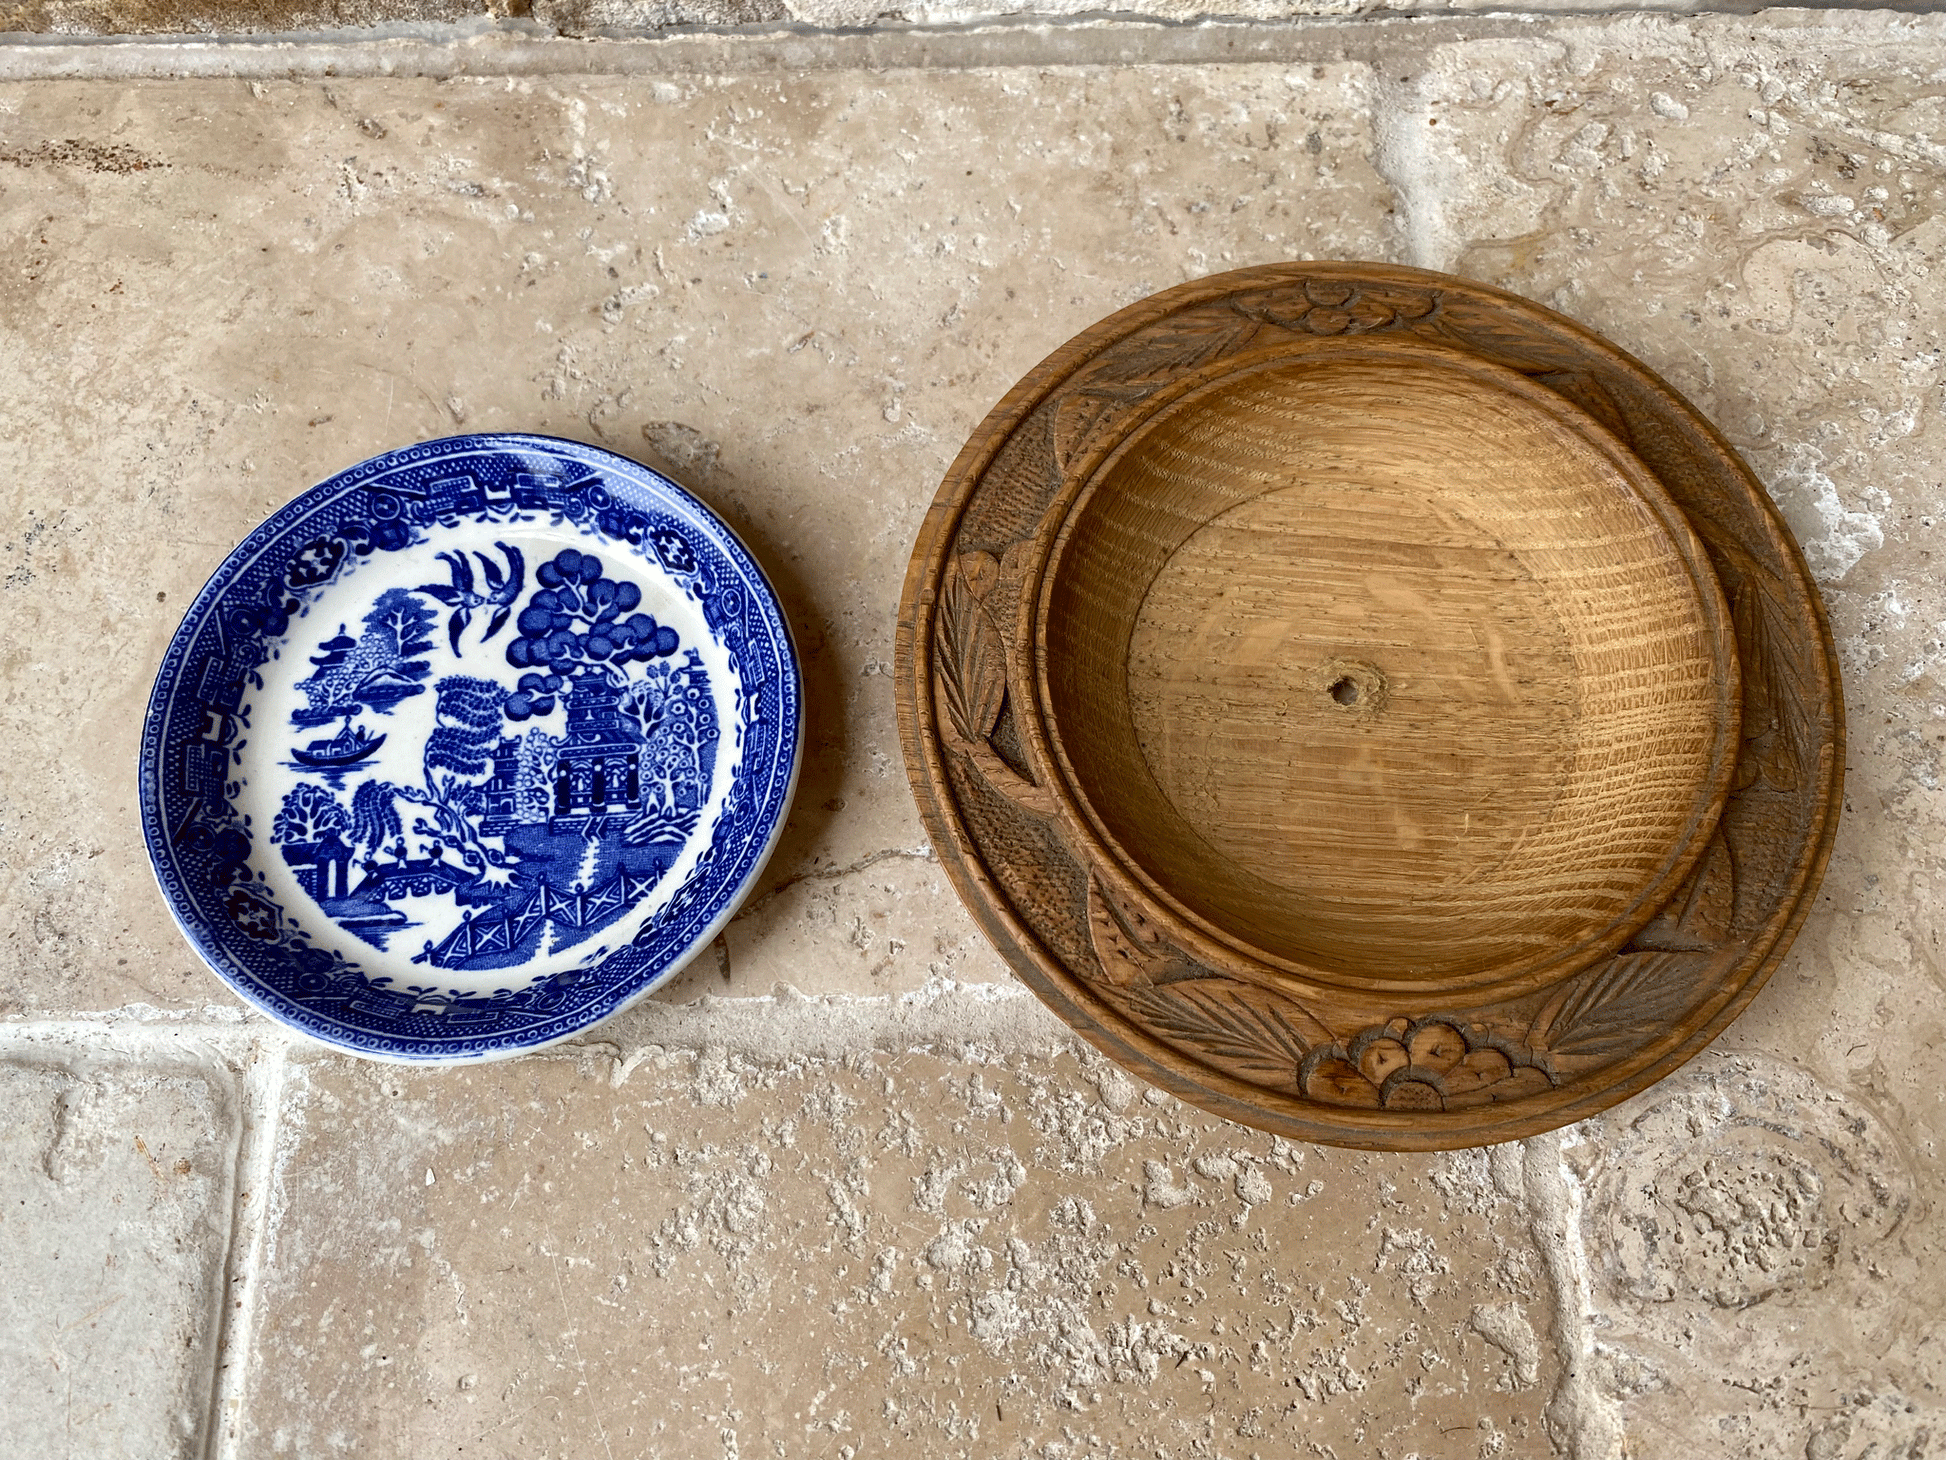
x=1263 y=1039
x=1129 y=947
x=1698 y=916
x=1770 y=702
x=969 y=649
x=1004 y=780
x=1613 y=1008
x=1486 y=331
x=1779 y=688
x=1169 y=349
x=1077 y=414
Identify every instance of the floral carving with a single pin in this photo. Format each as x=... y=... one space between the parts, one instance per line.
x=1433 y=1064
x=1332 y=307
x=1112 y=964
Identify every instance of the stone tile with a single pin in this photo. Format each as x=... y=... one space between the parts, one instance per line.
x=186 y=17
x=698 y=1253
x=800 y=294
x=1759 y=1268
x=116 y=1181
x=1755 y=209
x=874 y=924
x=599 y=17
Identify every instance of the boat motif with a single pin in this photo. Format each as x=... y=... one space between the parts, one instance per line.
x=349 y=746
x=558 y=779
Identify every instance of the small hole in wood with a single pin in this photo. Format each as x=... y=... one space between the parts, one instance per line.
x=1344 y=691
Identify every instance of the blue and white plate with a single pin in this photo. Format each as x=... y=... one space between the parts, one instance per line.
x=469 y=747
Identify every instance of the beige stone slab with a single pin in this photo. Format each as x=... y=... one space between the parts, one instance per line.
x=116 y=1183
x=608 y=17
x=1761 y=1270
x=798 y=294
x=700 y=1254
x=1755 y=209
x=207 y=17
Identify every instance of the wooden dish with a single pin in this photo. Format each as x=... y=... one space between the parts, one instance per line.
x=1317 y=681
x=1383 y=667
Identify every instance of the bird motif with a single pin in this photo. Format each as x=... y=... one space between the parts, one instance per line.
x=463 y=596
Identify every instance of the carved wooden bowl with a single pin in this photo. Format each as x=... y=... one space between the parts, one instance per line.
x=1381 y=666
x=1370 y=706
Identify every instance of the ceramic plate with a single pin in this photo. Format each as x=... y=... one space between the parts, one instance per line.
x=469 y=747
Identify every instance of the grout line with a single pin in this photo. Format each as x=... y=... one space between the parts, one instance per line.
x=1400 y=157
x=1086 y=40
x=788 y=1025
x=134 y=1033
x=1583 y=1421
x=942 y=1013
x=249 y=1070
x=266 y=1078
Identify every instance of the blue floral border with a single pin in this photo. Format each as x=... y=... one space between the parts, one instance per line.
x=197 y=724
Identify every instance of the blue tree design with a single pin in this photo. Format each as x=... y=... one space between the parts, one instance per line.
x=579 y=623
x=375 y=671
x=579 y=620
x=459 y=748
x=398 y=630
x=309 y=814
x=469 y=726
x=374 y=817
x=672 y=703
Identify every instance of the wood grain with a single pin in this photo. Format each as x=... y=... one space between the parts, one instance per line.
x=1374 y=667
x=1316 y=681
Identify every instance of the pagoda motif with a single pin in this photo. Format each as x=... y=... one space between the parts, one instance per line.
x=540 y=813
x=595 y=770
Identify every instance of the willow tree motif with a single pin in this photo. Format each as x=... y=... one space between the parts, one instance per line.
x=458 y=751
x=374 y=818
x=541 y=810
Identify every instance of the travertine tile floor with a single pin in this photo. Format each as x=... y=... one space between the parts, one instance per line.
x=843 y=1190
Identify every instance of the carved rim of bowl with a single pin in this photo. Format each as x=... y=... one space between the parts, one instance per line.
x=1207 y=940
x=1440 y=1068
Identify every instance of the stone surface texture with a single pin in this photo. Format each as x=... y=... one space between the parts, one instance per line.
x=842 y=1189
x=118 y=1172
x=686 y=1254
x=230 y=18
x=798 y=295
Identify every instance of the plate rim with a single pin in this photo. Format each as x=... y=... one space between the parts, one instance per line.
x=1677 y=444
x=278 y=526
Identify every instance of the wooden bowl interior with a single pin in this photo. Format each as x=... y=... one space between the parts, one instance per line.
x=1385 y=668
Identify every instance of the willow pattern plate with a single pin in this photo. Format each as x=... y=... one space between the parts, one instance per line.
x=470 y=746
